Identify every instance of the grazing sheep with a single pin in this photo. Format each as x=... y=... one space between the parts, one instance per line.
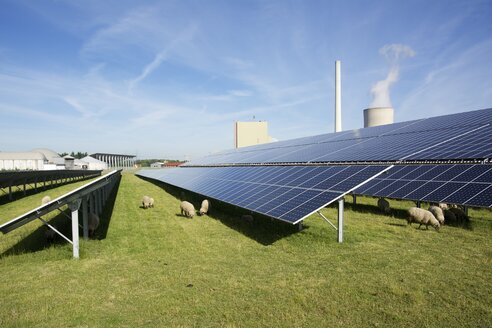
x=205 y=207
x=187 y=209
x=449 y=216
x=93 y=223
x=460 y=214
x=419 y=215
x=443 y=206
x=438 y=213
x=45 y=200
x=146 y=201
x=383 y=205
x=151 y=202
x=247 y=218
x=50 y=235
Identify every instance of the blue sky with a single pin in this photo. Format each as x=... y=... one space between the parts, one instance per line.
x=167 y=79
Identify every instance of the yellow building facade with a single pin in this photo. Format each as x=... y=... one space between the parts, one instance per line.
x=250 y=134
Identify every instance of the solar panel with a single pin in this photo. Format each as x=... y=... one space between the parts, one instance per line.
x=463 y=184
x=287 y=193
x=457 y=136
x=409 y=160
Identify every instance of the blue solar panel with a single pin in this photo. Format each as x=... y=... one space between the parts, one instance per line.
x=287 y=193
x=290 y=180
x=455 y=184
x=458 y=136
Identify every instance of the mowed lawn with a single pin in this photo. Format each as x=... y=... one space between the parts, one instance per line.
x=155 y=268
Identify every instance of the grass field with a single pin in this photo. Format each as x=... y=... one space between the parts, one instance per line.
x=155 y=268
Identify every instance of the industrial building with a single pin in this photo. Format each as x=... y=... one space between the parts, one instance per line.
x=119 y=161
x=37 y=159
x=250 y=133
x=43 y=159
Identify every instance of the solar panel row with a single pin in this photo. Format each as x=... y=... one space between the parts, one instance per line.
x=469 y=185
x=291 y=192
x=287 y=193
x=465 y=135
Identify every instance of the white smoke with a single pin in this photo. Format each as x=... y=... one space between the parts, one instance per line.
x=381 y=90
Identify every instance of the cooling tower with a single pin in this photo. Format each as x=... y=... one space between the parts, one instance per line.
x=378 y=116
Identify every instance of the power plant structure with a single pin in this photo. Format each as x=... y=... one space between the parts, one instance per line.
x=338 y=96
x=375 y=116
x=250 y=133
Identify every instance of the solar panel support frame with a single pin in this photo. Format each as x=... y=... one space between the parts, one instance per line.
x=73 y=199
x=339 y=229
x=341 y=203
x=74 y=207
x=327 y=220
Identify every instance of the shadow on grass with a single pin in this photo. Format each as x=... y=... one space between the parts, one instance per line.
x=401 y=214
x=262 y=229
x=36 y=241
x=102 y=231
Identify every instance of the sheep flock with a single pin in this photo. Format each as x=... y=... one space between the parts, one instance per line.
x=434 y=216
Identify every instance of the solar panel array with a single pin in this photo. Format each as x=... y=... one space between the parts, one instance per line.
x=454 y=184
x=287 y=193
x=458 y=136
x=290 y=180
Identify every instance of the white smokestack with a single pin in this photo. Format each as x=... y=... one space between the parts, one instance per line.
x=338 y=97
x=381 y=90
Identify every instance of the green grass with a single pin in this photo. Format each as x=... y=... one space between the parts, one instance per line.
x=155 y=268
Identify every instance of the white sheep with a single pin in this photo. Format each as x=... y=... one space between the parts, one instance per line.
x=443 y=206
x=146 y=202
x=438 y=213
x=205 y=207
x=187 y=209
x=93 y=223
x=45 y=200
x=384 y=205
x=419 y=215
x=151 y=202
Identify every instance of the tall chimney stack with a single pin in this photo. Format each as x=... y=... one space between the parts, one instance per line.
x=338 y=97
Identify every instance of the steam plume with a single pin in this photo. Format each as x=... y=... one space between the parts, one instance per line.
x=381 y=90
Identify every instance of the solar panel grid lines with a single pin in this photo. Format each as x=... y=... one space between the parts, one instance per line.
x=271 y=197
x=451 y=138
x=484 y=197
x=457 y=184
x=328 y=197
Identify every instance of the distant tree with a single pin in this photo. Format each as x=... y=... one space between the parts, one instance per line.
x=78 y=154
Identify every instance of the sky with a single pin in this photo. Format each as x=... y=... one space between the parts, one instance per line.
x=168 y=79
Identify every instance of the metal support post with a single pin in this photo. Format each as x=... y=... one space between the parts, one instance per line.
x=299 y=226
x=354 y=199
x=74 y=207
x=85 y=220
x=418 y=203
x=340 y=220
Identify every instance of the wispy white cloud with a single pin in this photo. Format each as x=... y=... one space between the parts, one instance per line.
x=185 y=36
x=453 y=87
